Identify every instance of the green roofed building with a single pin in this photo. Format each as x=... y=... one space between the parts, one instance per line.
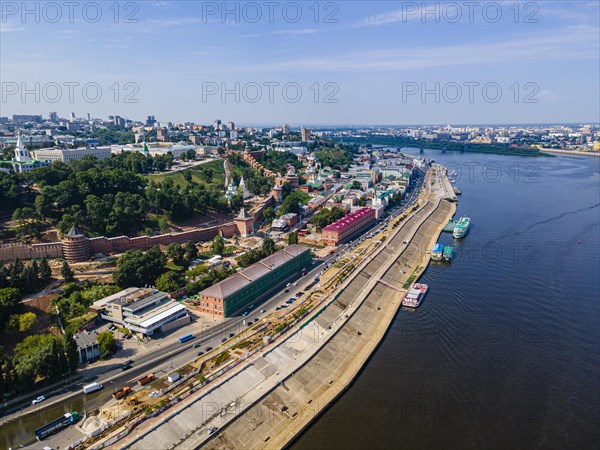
x=252 y=284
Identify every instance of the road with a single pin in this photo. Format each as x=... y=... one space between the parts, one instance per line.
x=167 y=357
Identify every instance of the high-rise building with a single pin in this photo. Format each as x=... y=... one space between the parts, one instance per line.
x=72 y=117
x=305 y=132
x=162 y=134
x=150 y=121
x=54 y=117
x=216 y=123
x=231 y=125
x=285 y=129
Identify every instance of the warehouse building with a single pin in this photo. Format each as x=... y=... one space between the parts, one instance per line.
x=255 y=282
x=348 y=226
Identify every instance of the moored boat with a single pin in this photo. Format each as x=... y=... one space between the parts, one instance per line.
x=462 y=227
x=415 y=295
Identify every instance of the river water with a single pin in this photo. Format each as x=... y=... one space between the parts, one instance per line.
x=504 y=350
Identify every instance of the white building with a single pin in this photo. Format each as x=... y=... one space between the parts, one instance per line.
x=22 y=162
x=70 y=154
x=142 y=310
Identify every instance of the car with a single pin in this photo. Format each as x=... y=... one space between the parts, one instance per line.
x=288 y=285
x=299 y=294
x=200 y=353
x=197 y=344
x=212 y=430
x=231 y=335
x=245 y=313
x=263 y=310
x=208 y=349
x=296 y=283
x=40 y=399
x=250 y=307
x=249 y=324
x=223 y=339
x=255 y=319
x=277 y=308
x=286 y=291
x=284 y=305
x=125 y=366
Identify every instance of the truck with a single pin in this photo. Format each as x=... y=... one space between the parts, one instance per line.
x=147 y=379
x=120 y=393
x=89 y=388
x=173 y=377
x=56 y=425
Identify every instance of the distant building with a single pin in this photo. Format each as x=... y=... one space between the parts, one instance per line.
x=162 y=134
x=150 y=121
x=142 y=310
x=250 y=285
x=305 y=133
x=348 y=226
x=285 y=129
x=70 y=154
x=22 y=162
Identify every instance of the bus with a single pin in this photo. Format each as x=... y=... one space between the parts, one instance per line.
x=186 y=337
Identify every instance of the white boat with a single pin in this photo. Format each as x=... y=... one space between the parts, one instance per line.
x=415 y=295
x=462 y=227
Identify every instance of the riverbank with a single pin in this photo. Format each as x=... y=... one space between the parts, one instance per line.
x=286 y=411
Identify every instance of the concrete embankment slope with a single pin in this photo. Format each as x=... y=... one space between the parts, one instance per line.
x=283 y=413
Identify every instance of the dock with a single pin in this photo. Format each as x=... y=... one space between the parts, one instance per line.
x=449 y=228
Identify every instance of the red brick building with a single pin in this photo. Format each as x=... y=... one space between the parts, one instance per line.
x=348 y=226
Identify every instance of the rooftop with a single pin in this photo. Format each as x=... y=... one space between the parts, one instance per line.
x=243 y=278
x=348 y=220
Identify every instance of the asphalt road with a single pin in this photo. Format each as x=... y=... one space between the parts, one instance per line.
x=166 y=358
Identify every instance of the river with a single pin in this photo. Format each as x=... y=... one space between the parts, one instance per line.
x=503 y=352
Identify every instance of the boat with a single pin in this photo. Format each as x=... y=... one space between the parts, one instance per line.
x=437 y=251
x=457 y=191
x=462 y=227
x=447 y=255
x=415 y=295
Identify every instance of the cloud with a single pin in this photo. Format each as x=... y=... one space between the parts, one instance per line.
x=10 y=28
x=567 y=44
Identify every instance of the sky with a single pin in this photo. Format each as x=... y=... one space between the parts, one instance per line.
x=304 y=62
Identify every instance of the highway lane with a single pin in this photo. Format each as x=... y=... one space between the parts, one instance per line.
x=167 y=357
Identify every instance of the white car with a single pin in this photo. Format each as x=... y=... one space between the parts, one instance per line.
x=211 y=430
x=40 y=399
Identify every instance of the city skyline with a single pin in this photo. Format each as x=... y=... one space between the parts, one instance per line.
x=340 y=63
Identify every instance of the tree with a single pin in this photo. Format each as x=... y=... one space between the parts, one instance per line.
x=176 y=253
x=268 y=214
x=67 y=273
x=268 y=246
x=29 y=222
x=107 y=344
x=191 y=251
x=167 y=282
x=71 y=352
x=218 y=245
x=45 y=270
x=136 y=268
x=356 y=184
x=26 y=321
x=9 y=303
x=292 y=238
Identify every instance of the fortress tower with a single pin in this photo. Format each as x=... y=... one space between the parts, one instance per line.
x=76 y=247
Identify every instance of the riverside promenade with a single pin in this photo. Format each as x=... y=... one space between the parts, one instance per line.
x=371 y=306
x=252 y=394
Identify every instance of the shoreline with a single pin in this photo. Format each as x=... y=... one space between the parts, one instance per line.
x=282 y=430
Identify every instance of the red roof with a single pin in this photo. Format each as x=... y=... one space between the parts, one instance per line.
x=350 y=219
